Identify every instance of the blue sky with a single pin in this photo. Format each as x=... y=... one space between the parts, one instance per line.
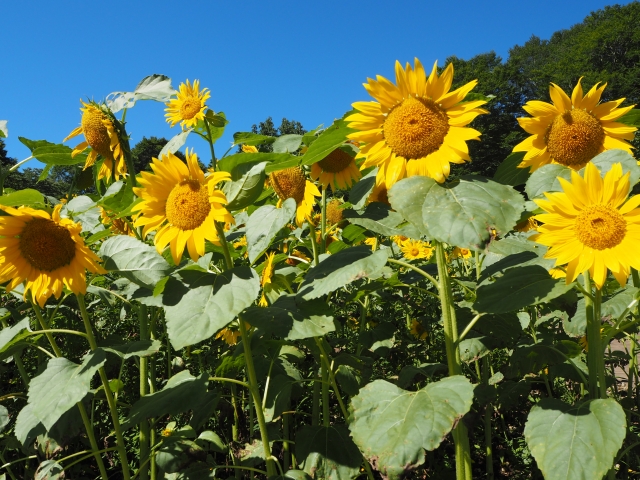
x=305 y=61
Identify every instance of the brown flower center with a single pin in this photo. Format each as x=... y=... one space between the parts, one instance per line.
x=415 y=128
x=600 y=227
x=190 y=107
x=289 y=183
x=46 y=245
x=334 y=212
x=95 y=131
x=574 y=138
x=188 y=205
x=336 y=161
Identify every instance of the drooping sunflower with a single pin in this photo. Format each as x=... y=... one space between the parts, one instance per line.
x=189 y=106
x=571 y=131
x=338 y=169
x=418 y=330
x=291 y=183
x=44 y=251
x=100 y=134
x=591 y=226
x=415 y=249
x=417 y=127
x=182 y=203
x=229 y=335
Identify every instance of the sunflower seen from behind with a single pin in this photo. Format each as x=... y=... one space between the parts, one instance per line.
x=571 y=131
x=292 y=183
x=182 y=205
x=45 y=252
x=100 y=133
x=189 y=105
x=591 y=226
x=416 y=127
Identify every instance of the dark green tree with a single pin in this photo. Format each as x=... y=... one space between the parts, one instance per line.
x=268 y=128
x=147 y=149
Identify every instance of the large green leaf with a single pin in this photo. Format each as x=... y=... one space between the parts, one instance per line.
x=465 y=212
x=327 y=142
x=54 y=154
x=508 y=172
x=379 y=218
x=287 y=143
x=328 y=453
x=209 y=305
x=631 y=118
x=519 y=287
x=181 y=393
x=290 y=320
x=117 y=198
x=22 y=197
x=134 y=259
x=12 y=336
x=173 y=145
x=249 y=138
x=61 y=385
x=264 y=224
x=545 y=179
x=407 y=197
x=612 y=307
x=575 y=442
x=362 y=189
x=141 y=348
x=228 y=164
x=396 y=426
x=4 y=417
x=246 y=185
x=341 y=269
x=154 y=87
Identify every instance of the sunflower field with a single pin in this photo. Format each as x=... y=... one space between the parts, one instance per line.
x=334 y=305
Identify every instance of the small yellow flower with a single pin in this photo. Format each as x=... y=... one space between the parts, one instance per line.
x=463 y=253
x=249 y=149
x=415 y=249
x=240 y=243
x=229 y=335
x=418 y=330
x=189 y=106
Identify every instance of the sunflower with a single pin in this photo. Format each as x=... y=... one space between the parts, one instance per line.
x=379 y=193
x=572 y=131
x=189 y=106
x=100 y=134
x=249 y=149
x=44 y=251
x=418 y=330
x=338 y=169
x=416 y=127
x=463 y=253
x=334 y=212
x=291 y=183
x=229 y=335
x=265 y=279
x=415 y=249
x=589 y=226
x=182 y=203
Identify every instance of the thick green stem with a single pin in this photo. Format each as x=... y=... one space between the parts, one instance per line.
x=255 y=394
x=225 y=246
x=595 y=352
x=460 y=434
x=314 y=244
x=326 y=416
x=315 y=405
x=487 y=422
x=235 y=427
x=364 y=307
x=143 y=320
x=323 y=222
x=122 y=452
x=86 y=421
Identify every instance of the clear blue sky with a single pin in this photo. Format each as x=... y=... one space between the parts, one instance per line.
x=305 y=61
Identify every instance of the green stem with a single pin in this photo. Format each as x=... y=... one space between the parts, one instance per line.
x=323 y=222
x=595 y=352
x=326 y=416
x=122 y=453
x=88 y=424
x=487 y=421
x=415 y=269
x=460 y=433
x=225 y=245
x=257 y=401
x=210 y=141
x=364 y=306
x=2 y=460
x=314 y=244
x=315 y=405
x=143 y=321
x=235 y=427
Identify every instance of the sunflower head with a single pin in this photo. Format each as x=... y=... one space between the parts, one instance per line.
x=415 y=249
x=182 y=204
x=418 y=330
x=189 y=106
x=591 y=226
x=334 y=212
x=338 y=169
x=46 y=252
x=416 y=127
x=571 y=131
x=463 y=253
x=102 y=133
x=288 y=183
